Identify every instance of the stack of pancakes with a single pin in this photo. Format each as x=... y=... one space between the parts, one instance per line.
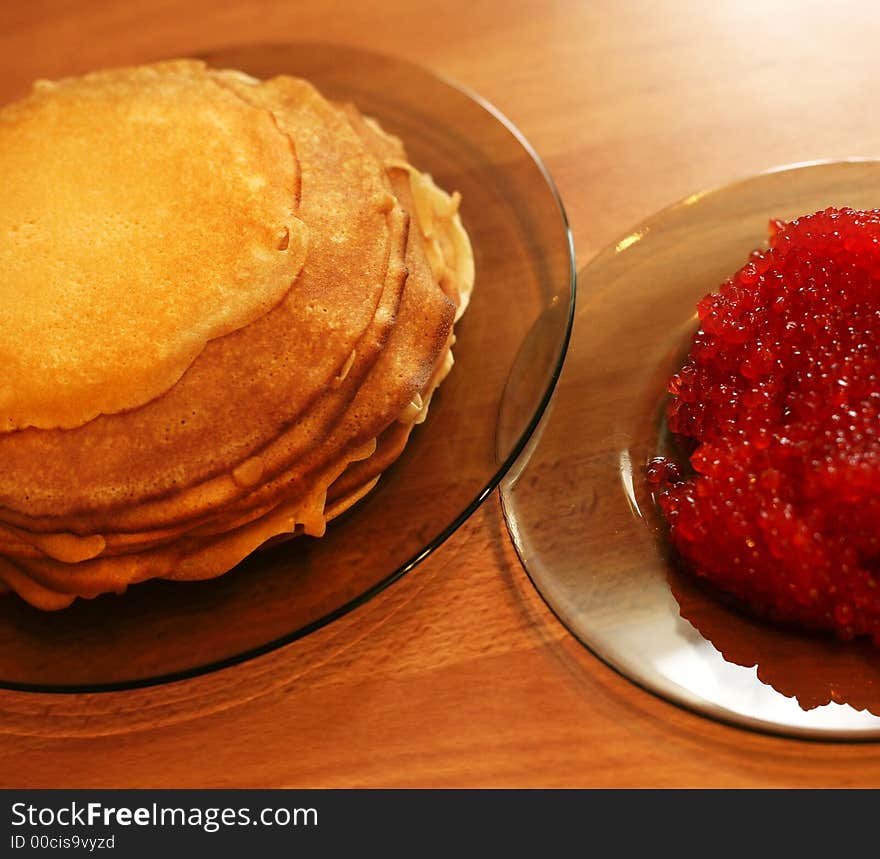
x=225 y=304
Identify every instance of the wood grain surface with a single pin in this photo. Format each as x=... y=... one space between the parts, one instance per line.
x=458 y=675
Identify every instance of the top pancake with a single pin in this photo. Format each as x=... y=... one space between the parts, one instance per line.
x=145 y=212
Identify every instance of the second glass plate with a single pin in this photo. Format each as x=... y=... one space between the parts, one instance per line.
x=582 y=515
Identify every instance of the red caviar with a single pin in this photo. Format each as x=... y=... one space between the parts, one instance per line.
x=780 y=399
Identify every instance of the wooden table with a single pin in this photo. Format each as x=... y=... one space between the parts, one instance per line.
x=458 y=675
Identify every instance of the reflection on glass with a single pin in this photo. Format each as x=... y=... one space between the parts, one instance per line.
x=814 y=670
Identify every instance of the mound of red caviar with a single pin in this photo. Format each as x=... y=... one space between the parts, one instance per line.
x=779 y=398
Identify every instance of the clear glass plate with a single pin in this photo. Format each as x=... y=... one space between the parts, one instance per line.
x=510 y=347
x=581 y=512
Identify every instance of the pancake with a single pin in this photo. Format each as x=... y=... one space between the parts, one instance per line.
x=111 y=287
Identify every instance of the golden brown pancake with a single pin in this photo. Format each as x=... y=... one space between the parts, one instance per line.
x=111 y=286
